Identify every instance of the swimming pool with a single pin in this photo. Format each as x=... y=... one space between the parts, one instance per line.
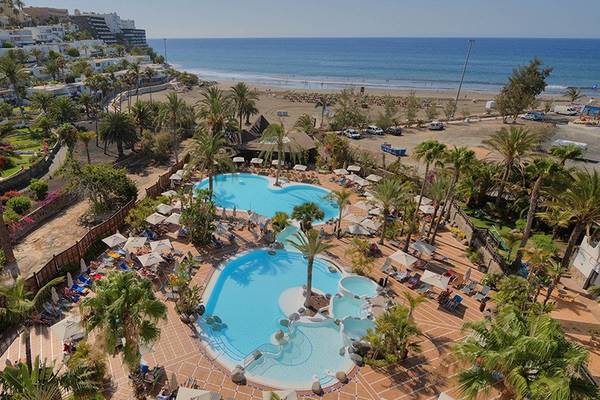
x=252 y=297
x=359 y=286
x=343 y=306
x=257 y=193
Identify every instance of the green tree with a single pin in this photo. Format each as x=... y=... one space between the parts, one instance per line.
x=348 y=111
x=307 y=213
x=244 y=101
x=513 y=291
x=67 y=135
x=342 y=199
x=359 y=253
x=306 y=124
x=39 y=187
x=514 y=146
x=450 y=109
x=216 y=110
x=63 y=110
x=460 y=160
x=86 y=137
x=209 y=153
x=431 y=152
x=171 y=114
x=566 y=152
x=199 y=217
x=387 y=195
x=310 y=244
x=324 y=102
x=117 y=127
x=437 y=190
x=278 y=142
x=412 y=107
x=431 y=112
x=41 y=101
x=280 y=221
x=14 y=74
x=389 y=116
x=142 y=114
x=573 y=94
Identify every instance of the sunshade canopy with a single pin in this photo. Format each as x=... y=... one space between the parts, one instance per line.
x=423 y=247
x=403 y=258
x=155 y=219
x=356 y=229
x=173 y=219
x=354 y=168
x=164 y=209
x=300 y=167
x=161 y=245
x=256 y=161
x=238 y=160
x=135 y=242
x=374 y=178
x=114 y=240
x=437 y=280
x=150 y=259
x=340 y=171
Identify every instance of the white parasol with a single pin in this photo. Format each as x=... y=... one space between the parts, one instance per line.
x=160 y=245
x=155 y=219
x=437 y=280
x=300 y=167
x=135 y=242
x=423 y=247
x=173 y=219
x=356 y=229
x=374 y=178
x=371 y=225
x=169 y=193
x=355 y=219
x=340 y=171
x=258 y=161
x=354 y=168
x=69 y=280
x=164 y=209
x=150 y=259
x=239 y=160
x=114 y=240
x=427 y=209
x=403 y=258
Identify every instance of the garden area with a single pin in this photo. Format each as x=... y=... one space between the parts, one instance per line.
x=20 y=148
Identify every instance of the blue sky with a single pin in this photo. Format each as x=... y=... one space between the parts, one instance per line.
x=320 y=18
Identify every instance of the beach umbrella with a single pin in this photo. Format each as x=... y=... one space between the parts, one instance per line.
x=173 y=385
x=467 y=275
x=257 y=161
x=258 y=219
x=437 y=280
x=173 y=219
x=222 y=228
x=374 y=178
x=361 y=182
x=185 y=393
x=164 y=209
x=427 y=209
x=114 y=240
x=354 y=168
x=239 y=160
x=300 y=167
x=356 y=229
x=68 y=329
x=83 y=266
x=340 y=171
x=423 y=247
x=160 y=245
x=169 y=193
x=371 y=225
x=363 y=205
x=355 y=219
x=176 y=205
x=135 y=242
x=150 y=259
x=276 y=163
x=176 y=177
x=375 y=211
x=155 y=219
x=424 y=201
x=403 y=258
x=69 y=280
x=54 y=294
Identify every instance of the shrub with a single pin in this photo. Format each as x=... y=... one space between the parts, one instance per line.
x=161 y=148
x=9 y=195
x=2 y=259
x=19 y=204
x=6 y=163
x=544 y=242
x=490 y=279
x=10 y=216
x=40 y=188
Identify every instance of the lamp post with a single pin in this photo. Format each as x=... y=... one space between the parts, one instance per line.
x=462 y=77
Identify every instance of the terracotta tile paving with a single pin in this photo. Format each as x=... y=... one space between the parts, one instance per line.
x=421 y=376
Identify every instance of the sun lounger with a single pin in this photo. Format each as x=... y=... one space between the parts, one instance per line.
x=424 y=289
x=403 y=276
x=468 y=288
x=453 y=303
x=482 y=293
x=414 y=281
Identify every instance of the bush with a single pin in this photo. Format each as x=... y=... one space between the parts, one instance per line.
x=72 y=52
x=161 y=148
x=2 y=259
x=10 y=216
x=19 y=204
x=6 y=163
x=9 y=195
x=544 y=242
x=40 y=188
x=490 y=279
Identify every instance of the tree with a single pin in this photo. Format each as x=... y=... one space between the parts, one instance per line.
x=244 y=100
x=437 y=190
x=306 y=124
x=566 y=152
x=530 y=352
x=581 y=200
x=171 y=114
x=307 y=213
x=280 y=221
x=63 y=110
x=394 y=335
x=430 y=151
x=513 y=291
x=412 y=107
x=359 y=252
x=149 y=74
x=337 y=148
x=342 y=199
x=117 y=127
x=389 y=116
x=21 y=304
x=199 y=217
x=431 y=112
x=210 y=154
x=523 y=86
x=41 y=101
x=67 y=135
x=124 y=307
x=14 y=74
x=278 y=142
x=324 y=102
x=348 y=111
x=387 y=195
x=310 y=244
x=555 y=218
x=43 y=123
x=450 y=109
x=5 y=242
x=136 y=75
x=216 y=110
x=142 y=114
x=85 y=138
x=88 y=102
x=460 y=160
x=513 y=146
x=573 y=94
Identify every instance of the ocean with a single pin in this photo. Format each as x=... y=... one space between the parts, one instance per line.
x=396 y=63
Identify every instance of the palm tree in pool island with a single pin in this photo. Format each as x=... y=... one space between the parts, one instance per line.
x=209 y=153
x=307 y=213
x=310 y=244
x=342 y=199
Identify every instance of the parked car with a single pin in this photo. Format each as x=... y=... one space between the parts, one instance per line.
x=533 y=116
x=374 y=130
x=394 y=130
x=436 y=126
x=352 y=134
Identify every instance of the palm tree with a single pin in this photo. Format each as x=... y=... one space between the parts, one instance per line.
x=566 y=152
x=306 y=213
x=310 y=245
x=136 y=75
x=581 y=200
x=142 y=113
x=530 y=352
x=85 y=138
x=124 y=308
x=5 y=242
x=67 y=135
x=410 y=222
x=460 y=160
x=41 y=101
x=171 y=114
x=513 y=145
x=539 y=170
x=306 y=124
x=243 y=99
x=63 y=110
x=573 y=94
x=323 y=102
x=149 y=75
x=555 y=218
x=554 y=271
x=21 y=304
x=342 y=199
x=15 y=74
x=437 y=191
x=117 y=127
x=413 y=301
x=387 y=195
x=215 y=109
x=430 y=151
x=274 y=136
x=209 y=154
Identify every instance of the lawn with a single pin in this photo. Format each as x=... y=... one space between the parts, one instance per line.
x=23 y=140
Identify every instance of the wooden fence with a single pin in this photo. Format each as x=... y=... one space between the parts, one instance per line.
x=73 y=254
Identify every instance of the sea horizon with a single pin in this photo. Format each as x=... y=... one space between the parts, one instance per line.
x=396 y=63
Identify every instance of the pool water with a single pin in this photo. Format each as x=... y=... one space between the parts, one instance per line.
x=256 y=193
x=348 y=306
x=359 y=286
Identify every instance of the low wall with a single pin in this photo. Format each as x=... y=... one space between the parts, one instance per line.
x=21 y=179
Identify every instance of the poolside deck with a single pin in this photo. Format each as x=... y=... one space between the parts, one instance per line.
x=421 y=376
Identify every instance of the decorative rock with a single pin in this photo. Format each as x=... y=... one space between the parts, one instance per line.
x=284 y=322
x=294 y=317
x=332 y=269
x=237 y=375
x=316 y=388
x=361 y=347
x=357 y=359
x=342 y=351
x=341 y=376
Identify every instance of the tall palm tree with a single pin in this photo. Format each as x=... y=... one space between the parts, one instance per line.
x=310 y=245
x=413 y=301
x=5 y=242
x=63 y=110
x=142 y=113
x=387 y=195
x=171 y=114
x=124 y=307
x=566 y=152
x=306 y=124
x=555 y=272
x=209 y=154
x=215 y=109
x=460 y=160
x=41 y=101
x=431 y=152
x=555 y=218
x=21 y=304
x=530 y=352
x=540 y=170
x=573 y=94
x=307 y=213
x=14 y=74
x=437 y=190
x=342 y=199
x=136 y=75
x=513 y=145
x=323 y=102
x=278 y=142
x=581 y=200
x=67 y=135
x=117 y=127
x=243 y=99
x=85 y=138
x=149 y=75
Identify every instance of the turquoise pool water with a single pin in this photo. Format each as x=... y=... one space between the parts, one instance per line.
x=359 y=286
x=255 y=192
x=348 y=306
x=356 y=329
